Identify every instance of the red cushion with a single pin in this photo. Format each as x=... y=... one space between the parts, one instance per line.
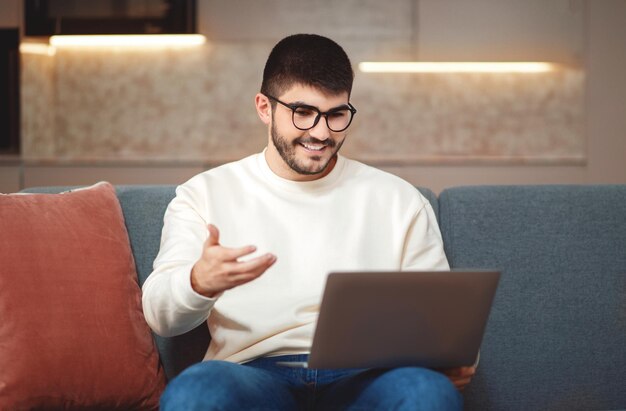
x=72 y=331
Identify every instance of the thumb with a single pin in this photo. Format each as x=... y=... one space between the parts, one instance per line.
x=214 y=236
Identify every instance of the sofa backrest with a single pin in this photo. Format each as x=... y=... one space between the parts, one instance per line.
x=144 y=207
x=556 y=337
x=557 y=331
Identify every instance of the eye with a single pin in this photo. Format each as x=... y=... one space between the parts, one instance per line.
x=304 y=112
x=338 y=114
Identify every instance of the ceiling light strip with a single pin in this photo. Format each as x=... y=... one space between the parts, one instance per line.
x=130 y=40
x=37 y=48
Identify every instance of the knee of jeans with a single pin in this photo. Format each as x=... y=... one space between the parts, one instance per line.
x=424 y=378
x=196 y=384
x=420 y=385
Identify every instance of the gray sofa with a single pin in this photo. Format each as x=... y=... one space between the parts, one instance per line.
x=556 y=338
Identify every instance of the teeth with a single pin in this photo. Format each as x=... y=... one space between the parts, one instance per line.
x=310 y=147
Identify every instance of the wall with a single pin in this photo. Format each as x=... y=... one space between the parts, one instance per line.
x=606 y=92
x=122 y=116
x=605 y=112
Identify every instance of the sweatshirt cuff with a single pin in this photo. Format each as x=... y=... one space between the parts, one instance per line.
x=187 y=296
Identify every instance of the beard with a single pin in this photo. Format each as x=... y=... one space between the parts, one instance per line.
x=287 y=151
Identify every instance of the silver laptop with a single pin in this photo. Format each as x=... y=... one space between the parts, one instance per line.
x=432 y=319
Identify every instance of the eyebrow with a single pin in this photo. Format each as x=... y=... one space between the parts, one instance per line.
x=302 y=103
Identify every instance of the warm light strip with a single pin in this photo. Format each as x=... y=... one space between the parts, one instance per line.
x=37 y=48
x=130 y=40
x=450 y=67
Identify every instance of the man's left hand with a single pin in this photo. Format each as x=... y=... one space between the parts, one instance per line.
x=460 y=376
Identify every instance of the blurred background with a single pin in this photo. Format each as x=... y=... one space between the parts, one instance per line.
x=159 y=114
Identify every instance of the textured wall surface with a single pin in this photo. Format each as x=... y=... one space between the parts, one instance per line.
x=197 y=103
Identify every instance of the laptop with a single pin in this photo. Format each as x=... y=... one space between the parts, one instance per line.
x=433 y=319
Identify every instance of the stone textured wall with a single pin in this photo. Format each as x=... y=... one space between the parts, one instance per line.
x=197 y=103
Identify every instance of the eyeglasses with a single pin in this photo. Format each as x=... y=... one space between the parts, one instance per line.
x=306 y=117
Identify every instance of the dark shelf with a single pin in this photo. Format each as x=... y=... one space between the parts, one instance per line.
x=53 y=17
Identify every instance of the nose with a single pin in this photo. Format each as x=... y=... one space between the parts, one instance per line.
x=321 y=130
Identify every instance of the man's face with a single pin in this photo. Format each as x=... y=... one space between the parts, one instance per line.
x=304 y=155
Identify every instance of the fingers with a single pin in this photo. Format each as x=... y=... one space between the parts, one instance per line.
x=468 y=371
x=249 y=271
x=464 y=372
x=259 y=264
x=219 y=268
x=462 y=382
x=214 y=236
x=460 y=372
x=232 y=254
x=225 y=253
x=242 y=272
x=460 y=376
x=211 y=278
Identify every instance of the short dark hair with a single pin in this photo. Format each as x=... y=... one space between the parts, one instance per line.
x=310 y=60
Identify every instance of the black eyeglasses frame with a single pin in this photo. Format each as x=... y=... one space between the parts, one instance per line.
x=294 y=107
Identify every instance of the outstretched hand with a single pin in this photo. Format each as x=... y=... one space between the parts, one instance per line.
x=219 y=268
x=460 y=376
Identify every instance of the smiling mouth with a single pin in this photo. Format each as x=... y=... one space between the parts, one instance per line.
x=316 y=148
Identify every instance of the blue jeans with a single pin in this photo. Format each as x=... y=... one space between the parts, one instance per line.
x=263 y=385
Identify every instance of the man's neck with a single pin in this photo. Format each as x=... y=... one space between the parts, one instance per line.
x=283 y=170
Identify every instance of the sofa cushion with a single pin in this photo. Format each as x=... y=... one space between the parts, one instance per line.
x=144 y=207
x=557 y=331
x=72 y=331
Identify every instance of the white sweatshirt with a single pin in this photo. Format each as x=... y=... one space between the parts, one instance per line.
x=355 y=218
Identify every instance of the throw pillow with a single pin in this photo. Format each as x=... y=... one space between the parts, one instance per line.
x=72 y=330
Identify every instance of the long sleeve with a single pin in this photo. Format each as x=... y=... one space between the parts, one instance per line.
x=170 y=304
x=423 y=246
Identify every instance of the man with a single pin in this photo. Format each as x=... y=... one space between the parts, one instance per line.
x=248 y=245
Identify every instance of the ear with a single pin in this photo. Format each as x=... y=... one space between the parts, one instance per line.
x=263 y=108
